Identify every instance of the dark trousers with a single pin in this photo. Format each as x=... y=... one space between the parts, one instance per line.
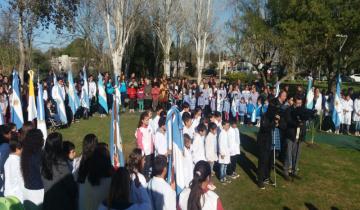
x=149 y=159
x=147 y=104
x=265 y=155
x=232 y=166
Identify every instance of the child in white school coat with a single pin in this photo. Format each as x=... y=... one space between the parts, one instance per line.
x=188 y=161
x=224 y=151
x=188 y=128
x=234 y=149
x=14 y=182
x=211 y=145
x=198 y=145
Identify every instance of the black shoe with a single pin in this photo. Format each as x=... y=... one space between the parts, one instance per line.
x=261 y=186
x=295 y=176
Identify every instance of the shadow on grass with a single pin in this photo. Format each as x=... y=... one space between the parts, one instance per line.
x=248 y=145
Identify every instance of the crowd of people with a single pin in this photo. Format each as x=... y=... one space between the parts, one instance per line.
x=39 y=171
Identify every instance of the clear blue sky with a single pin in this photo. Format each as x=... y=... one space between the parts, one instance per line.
x=44 y=39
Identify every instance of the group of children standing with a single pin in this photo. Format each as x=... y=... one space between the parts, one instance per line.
x=209 y=139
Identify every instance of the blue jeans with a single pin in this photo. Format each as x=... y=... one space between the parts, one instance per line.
x=223 y=168
x=357 y=126
x=292 y=156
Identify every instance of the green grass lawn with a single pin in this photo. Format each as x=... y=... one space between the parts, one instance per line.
x=330 y=174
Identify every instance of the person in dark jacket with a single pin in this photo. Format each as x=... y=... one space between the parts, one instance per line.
x=33 y=192
x=295 y=134
x=60 y=188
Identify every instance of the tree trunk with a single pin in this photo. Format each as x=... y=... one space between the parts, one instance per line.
x=20 y=33
x=199 y=67
x=117 y=61
x=166 y=63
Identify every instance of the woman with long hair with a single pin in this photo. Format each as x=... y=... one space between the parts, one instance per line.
x=144 y=141
x=30 y=162
x=198 y=196
x=119 y=194
x=98 y=171
x=56 y=176
x=88 y=146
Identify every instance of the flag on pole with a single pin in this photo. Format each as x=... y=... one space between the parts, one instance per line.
x=277 y=90
x=337 y=108
x=2 y=122
x=73 y=97
x=85 y=91
x=253 y=115
x=310 y=94
x=59 y=99
x=32 y=112
x=102 y=94
x=15 y=104
x=41 y=124
x=117 y=91
x=174 y=136
x=116 y=149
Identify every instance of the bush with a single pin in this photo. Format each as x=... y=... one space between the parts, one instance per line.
x=242 y=76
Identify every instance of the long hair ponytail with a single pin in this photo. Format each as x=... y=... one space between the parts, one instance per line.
x=202 y=171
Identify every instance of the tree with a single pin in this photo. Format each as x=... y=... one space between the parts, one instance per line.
x=33 y=13
x=200 y=25
x=121 y=19
x=164 y=17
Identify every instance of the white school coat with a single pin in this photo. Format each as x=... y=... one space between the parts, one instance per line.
x=188 y=166
x=160 y=143
x=190 y=131
x=234 y=144
x=161 y=194
x=14 y=182
x=211 y=147
x=224 y=147
x=356 y=116
x=318 y=105
x=209 y=200
x=347 y=105
x=198 y=148
x=154 y=124
x=92 y=89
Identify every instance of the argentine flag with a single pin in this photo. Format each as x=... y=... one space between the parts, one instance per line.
x=41 y=124
x=59 y=99
x=337 y=110
x=85 y=91
x=15 y=104
x=116 y=149
x=73 y=97
x=174 y=136
x=102 y=93
x=310 y=94
x=2 y=122
x=32 y=112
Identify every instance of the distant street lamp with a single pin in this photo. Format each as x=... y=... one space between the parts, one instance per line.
x=345 y=37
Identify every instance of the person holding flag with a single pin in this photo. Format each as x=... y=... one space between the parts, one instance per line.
x=73 y=97
x=337 y=110
x=58 y=95
x=15 y=102
x=103 y=107
x=85 y=101
x=32 y=112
